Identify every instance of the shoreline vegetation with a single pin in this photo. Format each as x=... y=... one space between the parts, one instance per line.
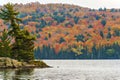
x=71 y=32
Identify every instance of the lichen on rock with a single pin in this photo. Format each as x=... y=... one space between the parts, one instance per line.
x=6 y=62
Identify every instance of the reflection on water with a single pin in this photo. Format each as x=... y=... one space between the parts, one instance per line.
x=24 y=72
x=16 y=74
x=67 y=70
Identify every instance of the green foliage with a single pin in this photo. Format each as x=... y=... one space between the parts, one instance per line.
x=113 y=10
x=43 y=24
x=103 y=22
x=109 y=35
x=46 y=38
x=76 y=19
x=22 y=15
x=61 y=40
x=80 y=37
x=5 y=48
x=110 y=52
x=90 y=26
x=117 y=32
x=102 y=34
x=8 y=13
x=105 y=9
x=100 y=9
x=97 y=17
x=23 y=47
x=85 y=16
x=59 y=19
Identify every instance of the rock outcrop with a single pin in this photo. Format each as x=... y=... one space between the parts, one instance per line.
x=6 y=62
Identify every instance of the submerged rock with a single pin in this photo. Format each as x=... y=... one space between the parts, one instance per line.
x=6 y=62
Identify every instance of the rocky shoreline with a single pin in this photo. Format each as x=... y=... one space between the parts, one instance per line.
x=6 y=63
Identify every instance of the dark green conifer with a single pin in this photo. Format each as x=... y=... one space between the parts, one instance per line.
x=23 y=47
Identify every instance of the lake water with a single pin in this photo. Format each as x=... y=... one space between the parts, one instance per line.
x=68 y=70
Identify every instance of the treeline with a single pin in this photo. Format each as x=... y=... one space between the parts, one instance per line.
x=104 y=52
x=72 y=32
x=46 y=52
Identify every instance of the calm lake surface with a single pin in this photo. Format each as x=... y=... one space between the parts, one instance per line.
x=68 y=70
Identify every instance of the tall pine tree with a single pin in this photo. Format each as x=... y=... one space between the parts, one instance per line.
x=23 y=47
x=5 y=48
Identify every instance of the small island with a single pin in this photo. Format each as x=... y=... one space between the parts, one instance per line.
x=16 y=44
x=8 y=63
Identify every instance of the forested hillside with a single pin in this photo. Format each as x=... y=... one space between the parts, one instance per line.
x=71 y=32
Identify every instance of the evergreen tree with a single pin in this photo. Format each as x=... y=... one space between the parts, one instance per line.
x=103 y=22
x=5 y=48
x=80 y=37
x=76 y=19
x=102 y=34
x=109 y=35
x=90 y=26
x=23 y=47
x=61 y=40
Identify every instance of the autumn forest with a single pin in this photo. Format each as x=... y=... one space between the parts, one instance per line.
x=71 y=32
